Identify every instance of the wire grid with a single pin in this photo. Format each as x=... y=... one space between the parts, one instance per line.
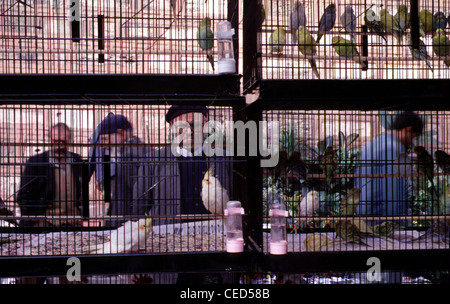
x=386 y=58
x=104 y=36
x=25 y=134
x=302 y=171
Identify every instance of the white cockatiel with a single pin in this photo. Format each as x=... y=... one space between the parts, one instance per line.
x=309 y=204
x=214 y=196
x=125 y=239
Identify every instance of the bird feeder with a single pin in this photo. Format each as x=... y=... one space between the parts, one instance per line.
x=278 y=242
x=225 y=51
x=235 y=239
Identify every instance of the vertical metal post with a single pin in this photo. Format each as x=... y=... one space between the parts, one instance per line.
x=107 y=178
x=365 y=45
x=85 y=189
x=415 y=27
x=101 y=37
x=251 y=58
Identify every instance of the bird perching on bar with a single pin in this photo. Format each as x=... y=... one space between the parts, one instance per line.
x=205 y=39
x=214 y=195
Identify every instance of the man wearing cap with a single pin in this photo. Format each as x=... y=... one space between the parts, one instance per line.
x=116 y=132
x=171 y=179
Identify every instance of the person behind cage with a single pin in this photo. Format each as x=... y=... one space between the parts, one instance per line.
x=170 y=181
x=126 y=152
x=386 y=196
x=50 y=184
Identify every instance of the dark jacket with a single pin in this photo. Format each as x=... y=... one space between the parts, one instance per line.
x=37 y=184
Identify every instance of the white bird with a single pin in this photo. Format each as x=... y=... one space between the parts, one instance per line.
x=309 y=204
x=125 y=239
x=214 y=196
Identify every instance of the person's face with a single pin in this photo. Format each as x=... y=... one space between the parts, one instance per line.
x=195 y=121
x=60 y=139
x=113 y=138
x=407 y=136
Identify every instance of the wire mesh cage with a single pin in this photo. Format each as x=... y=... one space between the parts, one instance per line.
x=354 y=39
x=126 y=36
x=359 y=180
x=87 y=179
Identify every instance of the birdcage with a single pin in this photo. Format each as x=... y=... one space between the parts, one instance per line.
x=133 y=37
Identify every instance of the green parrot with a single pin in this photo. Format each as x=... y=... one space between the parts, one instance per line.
x=277 y=40
x=349 y=202
x=427 y=22
x=205 y=39
x=403 y=17
x=348 y=231
x=425 y=165
x=373 y=23
x=328 y=163
x=345 y=48
x=390 y=24
x=307 y=46
x=420 y=53
x=441 y=46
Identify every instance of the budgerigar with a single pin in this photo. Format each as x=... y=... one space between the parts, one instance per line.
x=427 y=21
x=348 y=232
x=441 y=46
x=349 y=202
x=277 y=40
x=307 y=46
x=348 y=21
x=125 y=239
x=214 y=195
x=403 y=17
x=345 y=48
x=298 y=18
x=390 y=25
x=419 y=53
x=440 y=21
x=373 y=23
x=309 y=203
x=205 y=39
x=327 y=21
x=328 y=163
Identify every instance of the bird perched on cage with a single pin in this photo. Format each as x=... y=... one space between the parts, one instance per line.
x=290 y=164
x=348 y=232
x=205 y=39
x=277 y=40
x=307 y=46
x=125 y=239
x=427 y=21
x=442 y=160
x=373 y=23
x=403 y=17
x=316 y=241
x=348 y=21
x=419 y=53
x=309 y=203
x=328 y=163
x=441 y=46
x=349 y=202
x=297 y=18
x=327 y=21
x=345 y=48
x=390 y=25
x=437 y=233
x=425 y=163
x=440 y=21
x=213 y=195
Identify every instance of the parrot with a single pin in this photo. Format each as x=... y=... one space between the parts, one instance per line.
x=440 y=20
x=290 y=164
x=424 y=162
x=277 y=40
x=442 y=160
x=309 y=203
x=403 y=17
x=345 y=48
x=205 y=38
x=439 y=232
x=441 y=46
x=316 y=241
x=348 y=21
x=427 y=21
x=328 y=163
x=420 y=53
x=213 y=195
x=386 y=228
x=390 y=24
x=349 y=202
x=307 y=46
x=373 y=23
x=327 y=21
x=125 y=239
x=348 y=231
x=298 y=18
